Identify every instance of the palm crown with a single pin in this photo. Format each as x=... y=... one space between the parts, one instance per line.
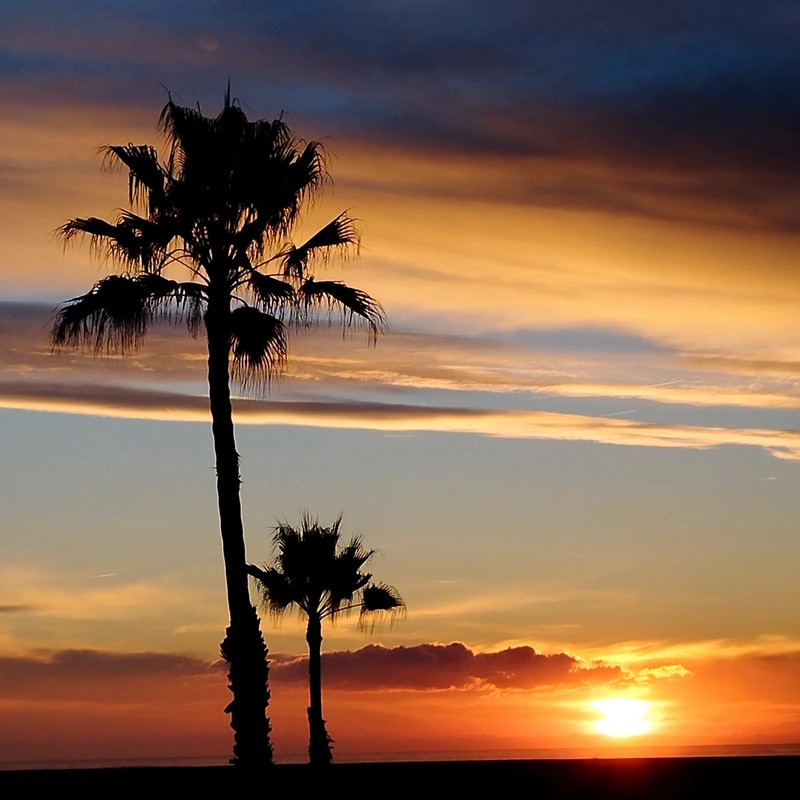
x=312 y=572
x=223 y=205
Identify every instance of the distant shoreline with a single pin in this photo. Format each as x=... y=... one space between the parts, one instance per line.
x=618 y=778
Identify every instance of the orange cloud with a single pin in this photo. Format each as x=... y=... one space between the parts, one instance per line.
x=501 y=241
x=565 y=364
x=452 y=666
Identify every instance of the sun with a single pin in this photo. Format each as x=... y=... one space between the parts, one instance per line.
x=622 y=716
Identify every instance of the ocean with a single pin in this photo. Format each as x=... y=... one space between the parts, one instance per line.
x=615 y=751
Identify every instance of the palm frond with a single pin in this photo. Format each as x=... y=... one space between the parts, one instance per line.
x=174 y=301
x=305 y=555
x=132 y=241
x=146 y=177
x=282 y=174
x=271 y=294
x=113 y=316
x=89 y=226
x=258 y=346
x=379 y=601
x=352 y=305
x=339 y=233
x=185 y=129
x=381 y=597
x=307 y=173
x=276 y=593
x=345 y=578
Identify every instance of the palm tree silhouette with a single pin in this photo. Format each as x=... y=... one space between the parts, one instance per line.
x=312 y=572
x=221 y=207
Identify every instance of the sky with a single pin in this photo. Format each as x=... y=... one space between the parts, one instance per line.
x=576 y=450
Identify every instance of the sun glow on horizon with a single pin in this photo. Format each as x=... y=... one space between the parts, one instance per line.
x=622 y=716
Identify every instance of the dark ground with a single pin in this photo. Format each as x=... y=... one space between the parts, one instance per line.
x=652 y=778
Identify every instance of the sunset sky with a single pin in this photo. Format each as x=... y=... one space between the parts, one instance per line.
x=576 y=451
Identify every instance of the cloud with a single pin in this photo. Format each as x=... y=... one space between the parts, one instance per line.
x=681 y=115
x=541 y=78
x=564 y=362
x=746 y=366
x=488 y=602
x=559 y=363
x=96 y=704
x=41 y=592
x=125 y=402
x=170 y=353
x=88 y=674
x=668 y=672
x=646 y=653
x=451 y=666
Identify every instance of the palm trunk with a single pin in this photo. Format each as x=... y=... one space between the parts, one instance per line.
x=243 y=647
x=319 y=743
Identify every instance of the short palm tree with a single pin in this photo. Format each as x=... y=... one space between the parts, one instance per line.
x=219 y=208
x=322 y=579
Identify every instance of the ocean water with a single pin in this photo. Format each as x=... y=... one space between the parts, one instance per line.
x=621 y=751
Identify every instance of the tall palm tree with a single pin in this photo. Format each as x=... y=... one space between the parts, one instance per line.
x=322 y=580
x=220 y=207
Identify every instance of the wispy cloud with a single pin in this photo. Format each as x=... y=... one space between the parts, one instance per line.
x=643 y=652
x=491 y=602
x=515 y=424
x=558 y=364
x=577 y=363
x=38 y=591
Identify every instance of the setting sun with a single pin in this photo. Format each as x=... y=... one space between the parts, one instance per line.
x=622 y=716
